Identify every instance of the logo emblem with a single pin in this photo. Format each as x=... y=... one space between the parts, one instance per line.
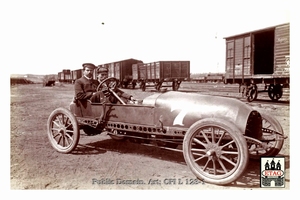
x=272 y=172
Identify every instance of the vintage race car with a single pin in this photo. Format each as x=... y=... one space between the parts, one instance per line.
x=217 y=135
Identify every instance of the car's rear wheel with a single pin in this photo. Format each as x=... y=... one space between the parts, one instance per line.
x=272 y=142
x=215 y=151
x=63 y=131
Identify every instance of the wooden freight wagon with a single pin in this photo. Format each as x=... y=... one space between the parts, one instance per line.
x=259 y=57
x=162 y=71
x=76 y=74
x=122 y=70
x=65 y=76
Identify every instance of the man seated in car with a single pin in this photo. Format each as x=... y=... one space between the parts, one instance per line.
x=104 y=95
x=86 y=86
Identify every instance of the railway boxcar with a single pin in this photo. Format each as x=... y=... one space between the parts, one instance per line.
x=259 y=57
x=122 y=70
x=76 y=74
x=163 y=71
x=65 y=76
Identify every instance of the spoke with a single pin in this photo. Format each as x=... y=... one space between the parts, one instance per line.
x=69 y=131
x=67 y=122
x=55 y=129
x=199 y=142
x=62 y=119
x=57 y=134
x=58 y=141
x=199 y=150
x=214 y=166
x=64 y=141
x=202 y=156
x=230 y=152
x=59 y=119
x=70 y=137
x=222 y=165
x=229 y=161
x=266 y=123
x=227 y=144
x=54 y=122
x=67 y=126
x=220 y=139
x=67 y=141
x=205 y=166
x=205 y=136
x=213 y=135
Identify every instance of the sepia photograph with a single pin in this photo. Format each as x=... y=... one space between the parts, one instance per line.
x=148 y=95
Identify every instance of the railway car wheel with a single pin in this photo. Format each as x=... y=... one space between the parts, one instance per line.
x=158 y=86
x=275 y=92
x=252 y=93
x=215 y=151
x=143 y=86
x=272 y=142
x=62 y=130
x=175 y=85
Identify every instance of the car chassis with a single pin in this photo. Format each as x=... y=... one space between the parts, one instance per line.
x=218 y=135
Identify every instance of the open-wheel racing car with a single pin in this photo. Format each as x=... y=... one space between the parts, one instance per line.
x=217 y=135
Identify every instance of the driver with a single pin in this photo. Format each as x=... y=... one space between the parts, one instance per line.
x=104 y=95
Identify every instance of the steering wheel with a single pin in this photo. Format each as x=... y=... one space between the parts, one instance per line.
x=111 y=84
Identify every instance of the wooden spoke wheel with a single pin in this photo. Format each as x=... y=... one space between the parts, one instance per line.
x=143 y=86
x=158 y=86
x=215 y=151
x=175 y=85
x=252 y=93
x=275 y=92
x=272 y=142
x=63 y=131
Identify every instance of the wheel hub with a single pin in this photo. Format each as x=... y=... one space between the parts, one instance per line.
x=213 y=150
x=62 y=130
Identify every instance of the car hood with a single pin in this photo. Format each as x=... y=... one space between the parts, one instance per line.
x=184 y=109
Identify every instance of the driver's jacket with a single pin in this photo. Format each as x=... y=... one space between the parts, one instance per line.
x=84 y=88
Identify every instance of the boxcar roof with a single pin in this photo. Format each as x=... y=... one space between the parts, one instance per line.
x=256 y=31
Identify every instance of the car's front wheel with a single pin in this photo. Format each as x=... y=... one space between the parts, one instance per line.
x=215 y=151
x=63 y=131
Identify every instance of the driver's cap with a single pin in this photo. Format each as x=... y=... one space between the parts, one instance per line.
x=102 y=70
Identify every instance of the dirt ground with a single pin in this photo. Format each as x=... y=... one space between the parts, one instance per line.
x=99 y=162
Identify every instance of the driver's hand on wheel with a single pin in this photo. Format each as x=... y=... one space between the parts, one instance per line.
x=112 y=84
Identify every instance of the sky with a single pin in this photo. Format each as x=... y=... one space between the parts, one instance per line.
x=47 y=36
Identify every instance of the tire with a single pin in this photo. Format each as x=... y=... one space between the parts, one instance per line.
x=252 y=94
x=218 y=158
x=274 y=147
x=275 y=92
x=143 y=86
x=62 y=130
x=175 y=85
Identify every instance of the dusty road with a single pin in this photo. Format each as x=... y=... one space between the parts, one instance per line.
x=100 y=162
